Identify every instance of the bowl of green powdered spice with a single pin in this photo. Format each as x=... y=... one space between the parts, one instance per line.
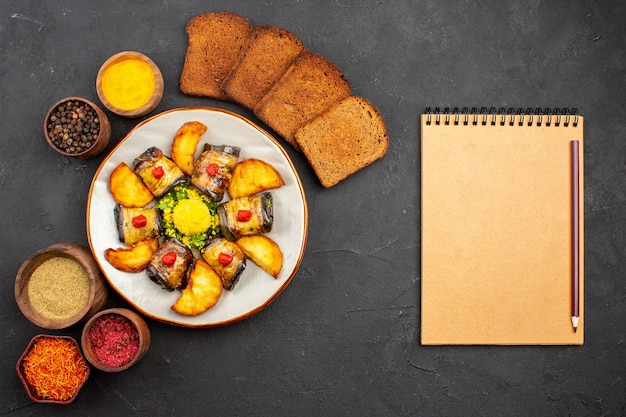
x=59 y=286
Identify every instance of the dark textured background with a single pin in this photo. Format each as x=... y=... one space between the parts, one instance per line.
x=343 y=338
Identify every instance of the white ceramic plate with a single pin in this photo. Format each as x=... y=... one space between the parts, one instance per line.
x=255 y=288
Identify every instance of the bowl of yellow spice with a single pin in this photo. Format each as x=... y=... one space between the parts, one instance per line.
x=60 y=286
x=129 y=84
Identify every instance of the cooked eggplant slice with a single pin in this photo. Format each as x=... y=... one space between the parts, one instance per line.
x=169 y=264
x=213 y=170
x=136 y=224
x=244 y=216
x=158 y=172
x=227 y=259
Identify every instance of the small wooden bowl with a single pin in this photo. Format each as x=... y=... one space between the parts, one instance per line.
x=98 y=290
x=31 y=390
x=138 y=325
x=100 y=142
x=143 y=109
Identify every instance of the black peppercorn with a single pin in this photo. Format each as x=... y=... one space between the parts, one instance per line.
x=73 y=126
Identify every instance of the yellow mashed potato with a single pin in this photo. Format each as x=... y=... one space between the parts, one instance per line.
x=189 y=216
x=192 y=217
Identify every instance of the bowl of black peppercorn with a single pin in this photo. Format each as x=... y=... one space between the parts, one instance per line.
x=77 y=128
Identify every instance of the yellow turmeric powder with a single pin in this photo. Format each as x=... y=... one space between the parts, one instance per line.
x=128 y=84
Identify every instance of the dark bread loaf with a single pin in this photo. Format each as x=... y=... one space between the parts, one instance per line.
x=309 y=86
x=268 y=54
x=215 y=41
x=299 y=94
x=347 y=137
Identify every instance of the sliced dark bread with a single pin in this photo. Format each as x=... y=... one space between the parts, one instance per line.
x=309 y=86
x=215 y=41
x=347 y=137
x=268 y=54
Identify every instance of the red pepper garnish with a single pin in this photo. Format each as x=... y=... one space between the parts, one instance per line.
x=244 y=215
x=139 y=221
x=158 y=172
x=224 y=258
x=212 y=169
x=169 y=259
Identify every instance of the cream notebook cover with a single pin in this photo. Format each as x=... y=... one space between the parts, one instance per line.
x=497 y=227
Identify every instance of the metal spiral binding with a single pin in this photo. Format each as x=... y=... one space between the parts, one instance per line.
x=529 y=117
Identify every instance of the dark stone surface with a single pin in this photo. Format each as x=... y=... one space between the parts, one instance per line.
x=343 y=338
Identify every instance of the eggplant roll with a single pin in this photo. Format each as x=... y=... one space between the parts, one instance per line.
x=226 y=259
x=213 y=170
x=246 y=216
x=169 y=264
x=136 y=224
x=158 y=172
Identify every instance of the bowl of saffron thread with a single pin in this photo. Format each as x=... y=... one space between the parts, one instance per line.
x=52 y=369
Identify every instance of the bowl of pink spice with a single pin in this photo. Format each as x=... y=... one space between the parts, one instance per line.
x=115 y=339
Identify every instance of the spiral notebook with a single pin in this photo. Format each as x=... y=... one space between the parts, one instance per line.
x=502 y=227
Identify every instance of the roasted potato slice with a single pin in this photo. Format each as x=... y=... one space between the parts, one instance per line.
x=264 y=252
x=185 y=143
x=203 y=290
x=132 y=259
x=252 y=176
x=127 y=188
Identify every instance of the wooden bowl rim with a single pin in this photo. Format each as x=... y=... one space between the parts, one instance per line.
x=73 y=251
x=140 y=325
x=103 y=136
x=29 y=388
x=152 y=101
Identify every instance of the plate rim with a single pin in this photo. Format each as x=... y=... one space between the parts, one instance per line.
x=305 y=219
